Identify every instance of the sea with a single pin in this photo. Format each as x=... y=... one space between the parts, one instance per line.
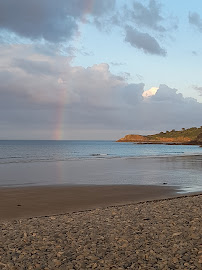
x=71 y=162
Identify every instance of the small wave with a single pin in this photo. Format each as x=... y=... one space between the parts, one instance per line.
x=9 y=157
x=175 y=152
x=97 y=155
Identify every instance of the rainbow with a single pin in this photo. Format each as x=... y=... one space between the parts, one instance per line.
x=59 y=128
x=58 y=133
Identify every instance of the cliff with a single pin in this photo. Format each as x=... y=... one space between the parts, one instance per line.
x=133 y=138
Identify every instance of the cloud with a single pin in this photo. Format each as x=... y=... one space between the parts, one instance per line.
x=117 y=64
x=148 y=16
x=34 y=67
x=194 y=53
x=51 y=25
x=52 y=21
x=139 y=77
x=151 y=92
x=47 y=78
x=72 y=51
x=198 y=88
x=144 y=24
x=39 y=92
x=168 y=95
x=195 y=19
x=143 y=41
x=132 y=93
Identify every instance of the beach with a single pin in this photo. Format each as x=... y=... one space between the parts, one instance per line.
x=99 y=205
x=134 y=228
x=48 y=200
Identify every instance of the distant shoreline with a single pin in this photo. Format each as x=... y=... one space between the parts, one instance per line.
x=168 y=143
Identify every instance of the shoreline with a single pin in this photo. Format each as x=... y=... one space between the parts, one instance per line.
x=28 y=202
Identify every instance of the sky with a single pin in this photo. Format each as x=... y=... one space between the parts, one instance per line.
x=99 y=69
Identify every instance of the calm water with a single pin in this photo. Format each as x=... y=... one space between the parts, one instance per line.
x=99 y=163
x=38 y=151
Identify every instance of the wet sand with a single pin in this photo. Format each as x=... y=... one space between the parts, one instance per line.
x=43 y=201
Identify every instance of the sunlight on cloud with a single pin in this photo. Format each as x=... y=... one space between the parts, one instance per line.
x=151 y=92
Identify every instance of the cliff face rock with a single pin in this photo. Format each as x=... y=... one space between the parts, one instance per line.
x=133 y=138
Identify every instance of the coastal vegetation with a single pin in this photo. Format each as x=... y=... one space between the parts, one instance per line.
x=184 y=136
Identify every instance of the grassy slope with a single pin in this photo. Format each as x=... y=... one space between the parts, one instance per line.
x=182 y=135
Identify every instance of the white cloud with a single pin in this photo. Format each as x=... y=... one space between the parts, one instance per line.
x=151 y=92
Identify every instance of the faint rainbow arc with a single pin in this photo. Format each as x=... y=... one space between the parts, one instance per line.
x=58 y=133
x=59 y=128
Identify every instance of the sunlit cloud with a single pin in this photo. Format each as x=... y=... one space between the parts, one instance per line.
x=148 y=93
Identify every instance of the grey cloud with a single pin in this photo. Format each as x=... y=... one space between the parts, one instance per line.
x=72 y=51
x=125 y=75
x=49 y=49
x=115 y=19
x=48 y=80
x=54 y=21
x=133 y=93
x=89 y=99
x=140 y=77
x=195 y=19
x=167 y=94
x=101 y=7
x=37 y=19
x=34 y=67
x=117 y=64
x=140 y=17
x=112 y=20
x=148 y=16
x=143 y=41
x=198 y=88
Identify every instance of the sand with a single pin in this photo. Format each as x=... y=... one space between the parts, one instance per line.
x=49 y=200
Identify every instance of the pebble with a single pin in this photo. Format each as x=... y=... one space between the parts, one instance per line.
x=159 y=235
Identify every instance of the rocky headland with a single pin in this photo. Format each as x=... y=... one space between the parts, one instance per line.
x=192 y=136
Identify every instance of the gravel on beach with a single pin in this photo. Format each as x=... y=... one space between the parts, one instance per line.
x=164 y=234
